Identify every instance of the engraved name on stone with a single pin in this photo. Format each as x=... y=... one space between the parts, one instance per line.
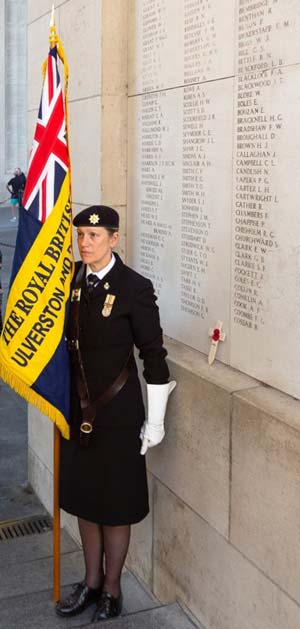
x=258 y=130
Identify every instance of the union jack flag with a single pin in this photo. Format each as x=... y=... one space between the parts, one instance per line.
x=33 y=353
x=49 y=159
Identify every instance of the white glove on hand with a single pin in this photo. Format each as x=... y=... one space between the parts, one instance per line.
x=152 y=431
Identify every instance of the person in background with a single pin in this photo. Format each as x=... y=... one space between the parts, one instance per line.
x=16 y=187
x=103 y=477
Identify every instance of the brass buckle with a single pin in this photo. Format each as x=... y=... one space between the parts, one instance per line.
x=86 y=428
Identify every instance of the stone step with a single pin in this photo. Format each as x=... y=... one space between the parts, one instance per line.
x=163 y=617
x=17 y=501
x=35 y=576
x=26 y=590
x=32 y=547
x=36 y=611
x=26 y=582
x=34 y=608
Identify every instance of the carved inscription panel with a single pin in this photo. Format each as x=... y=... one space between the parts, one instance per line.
x=179 y=229
x=213 y=185
x=265 y=331
x=177 y=42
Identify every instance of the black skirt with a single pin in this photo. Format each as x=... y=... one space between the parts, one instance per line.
x=105 y=483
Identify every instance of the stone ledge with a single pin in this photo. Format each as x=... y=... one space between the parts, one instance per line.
x=278 y=405
x=218 y=584
x=265 y=484
x=219 y=374
x=193 y=460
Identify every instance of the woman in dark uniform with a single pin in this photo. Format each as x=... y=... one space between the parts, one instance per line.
x=103 y=473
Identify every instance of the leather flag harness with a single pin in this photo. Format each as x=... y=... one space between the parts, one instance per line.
x=88 y=408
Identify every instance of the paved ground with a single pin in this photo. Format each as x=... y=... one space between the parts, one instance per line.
x=26 y=560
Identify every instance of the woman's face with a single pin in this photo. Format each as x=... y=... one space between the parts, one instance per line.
x=95 y=245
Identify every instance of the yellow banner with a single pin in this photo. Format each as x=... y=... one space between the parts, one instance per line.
x=35 y=311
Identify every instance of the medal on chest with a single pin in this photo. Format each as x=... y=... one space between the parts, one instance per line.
x=108 y=304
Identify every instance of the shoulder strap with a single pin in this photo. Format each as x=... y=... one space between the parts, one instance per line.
x=73 y=343
x=73 y=334
x=88 y=408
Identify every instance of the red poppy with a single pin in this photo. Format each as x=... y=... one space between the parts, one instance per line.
x=216 y=334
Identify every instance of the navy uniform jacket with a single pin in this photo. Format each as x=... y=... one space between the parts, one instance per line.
x=105 y=344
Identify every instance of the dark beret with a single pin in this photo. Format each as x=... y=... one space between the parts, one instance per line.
x=97 y=216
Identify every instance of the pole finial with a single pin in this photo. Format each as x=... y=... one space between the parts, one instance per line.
x=53 y=38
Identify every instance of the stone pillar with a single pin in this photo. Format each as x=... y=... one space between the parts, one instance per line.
x=2 y=97
x=114 y=110
x=13 y=89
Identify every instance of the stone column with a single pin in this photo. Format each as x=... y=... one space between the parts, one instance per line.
x=114 y=110
x=15 y=84
x=2 y=97
x=13 y=88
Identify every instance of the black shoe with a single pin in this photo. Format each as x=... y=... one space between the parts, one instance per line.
x=107 y=607
x=77 y=601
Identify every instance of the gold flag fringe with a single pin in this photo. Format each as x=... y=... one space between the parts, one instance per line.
x=37 y=400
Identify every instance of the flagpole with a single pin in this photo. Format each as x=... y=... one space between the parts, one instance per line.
x=56 y=515
x=56 y=438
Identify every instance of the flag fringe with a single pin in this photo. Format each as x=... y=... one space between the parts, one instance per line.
x=34 y=398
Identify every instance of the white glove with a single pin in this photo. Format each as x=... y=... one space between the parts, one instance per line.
x=152 y=431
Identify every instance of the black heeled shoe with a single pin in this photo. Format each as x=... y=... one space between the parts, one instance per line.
x=107 y=607
x=77 y=601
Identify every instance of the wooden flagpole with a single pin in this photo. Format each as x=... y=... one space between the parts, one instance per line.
x=56 y=515
x=56 y=439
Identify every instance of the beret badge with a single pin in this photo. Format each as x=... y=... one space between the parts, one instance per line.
x=94 y=219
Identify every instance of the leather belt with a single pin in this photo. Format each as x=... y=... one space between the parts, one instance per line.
x=88 y=408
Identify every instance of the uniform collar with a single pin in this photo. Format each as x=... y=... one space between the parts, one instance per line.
x=111 y=280
x=101 y=274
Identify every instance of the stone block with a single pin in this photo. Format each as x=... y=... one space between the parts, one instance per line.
x=175 y=159
x=114 y=47
x=175 y=43
x=80 y=32
x=41 y=479
x=36 y=10
x=193 y=459
x=281 y=47
x=28 y=577
x=85 y=149
x=139 y=558
x=265 y=508
x=37 y=51
x=196 y=565
x=265 y=259
x=70 y=523
x=40 y=436
x=114 y=149
x=122 y=244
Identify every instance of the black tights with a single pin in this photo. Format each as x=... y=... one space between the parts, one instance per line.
x=101 y=544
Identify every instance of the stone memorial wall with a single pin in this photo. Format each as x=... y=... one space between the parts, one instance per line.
x=213 y=184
